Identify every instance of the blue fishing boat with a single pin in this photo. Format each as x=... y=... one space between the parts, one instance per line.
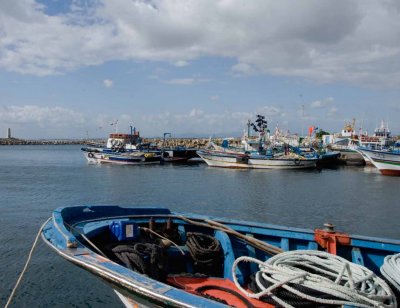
x=153 y=257
x=176 y=154
x=129 y=149
x=328 y=158
x=123 y=149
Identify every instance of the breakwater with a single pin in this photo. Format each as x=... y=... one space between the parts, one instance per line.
x=196 y=143
x=15 y=141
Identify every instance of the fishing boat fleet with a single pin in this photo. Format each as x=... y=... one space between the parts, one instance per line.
x=259 y=150
x=129 y=149
x=153 y=257
x=256 y=154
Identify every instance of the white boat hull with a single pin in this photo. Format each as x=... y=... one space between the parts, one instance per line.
x=282 y=163
x=92 y=157
x=102 y=158
x=388 y=163
x=131 y=302
x=229 y=160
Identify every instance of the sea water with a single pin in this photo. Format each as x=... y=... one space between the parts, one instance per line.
x=34 y=180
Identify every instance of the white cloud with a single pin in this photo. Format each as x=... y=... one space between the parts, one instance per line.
x=43 y=116
x=199 y=121
x=62 y=122
x=181 y=63
x=214 y=98
x=187 y=81
x=322 y=103
x=271 y=111
x=243 y=69
x=332 y=111
x=108 y=83
x=355 y=41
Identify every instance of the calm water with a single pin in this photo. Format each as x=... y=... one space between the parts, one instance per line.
x=36 y=179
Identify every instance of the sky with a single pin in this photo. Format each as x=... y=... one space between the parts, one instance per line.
x=85 y=68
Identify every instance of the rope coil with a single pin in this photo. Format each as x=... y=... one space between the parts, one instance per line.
x=206 y=252
x=391 y=270
x=346 y=283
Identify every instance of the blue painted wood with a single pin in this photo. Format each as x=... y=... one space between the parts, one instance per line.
x=93 y=220
x=285 y=243
x=312 y=246
x=252 y=253
x=229 y=256
x=356 y=256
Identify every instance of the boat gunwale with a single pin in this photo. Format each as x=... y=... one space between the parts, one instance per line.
x=113 y=277
x=228 y=221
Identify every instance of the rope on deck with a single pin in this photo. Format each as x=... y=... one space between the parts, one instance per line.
x=346 y=283
x=26 y=264
x=391 y=270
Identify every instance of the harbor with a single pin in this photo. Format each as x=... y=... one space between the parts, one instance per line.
x=191 y=154
x=31 y=189
x=258 y=148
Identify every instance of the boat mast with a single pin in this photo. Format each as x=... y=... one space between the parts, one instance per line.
x=302 y=120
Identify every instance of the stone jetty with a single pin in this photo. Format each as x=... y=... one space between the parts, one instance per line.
x=16 y=141
x=196 y=143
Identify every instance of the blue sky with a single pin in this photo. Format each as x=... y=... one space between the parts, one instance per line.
x=70 y=68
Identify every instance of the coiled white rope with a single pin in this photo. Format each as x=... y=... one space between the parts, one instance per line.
x=346 y=282
x=391 y=270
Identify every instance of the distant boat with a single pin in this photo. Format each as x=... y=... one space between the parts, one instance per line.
x=128 y=158
x=153 y=257
x=328 y=158
x=123 y=149
x=348 y=141
x=379 y=140
x=176 y=154
x=253 y=153
x=130 y=149
x=255 y=160
x=386 y=160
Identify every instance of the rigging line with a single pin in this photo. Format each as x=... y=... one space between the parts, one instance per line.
x=159 y=235
x=271 y=249
x=26 y=264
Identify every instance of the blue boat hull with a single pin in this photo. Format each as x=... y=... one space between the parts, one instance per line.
x=76 y=233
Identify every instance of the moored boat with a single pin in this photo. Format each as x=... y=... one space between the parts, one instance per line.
x=255 y=154
x=176 y=154
x=256 y=160
x=345 y=143
x=328 y=158
x=386 y=160
x=157 y=258
x=347 y=148
x=126 y=158
x=123 y=149
x=130 y=149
